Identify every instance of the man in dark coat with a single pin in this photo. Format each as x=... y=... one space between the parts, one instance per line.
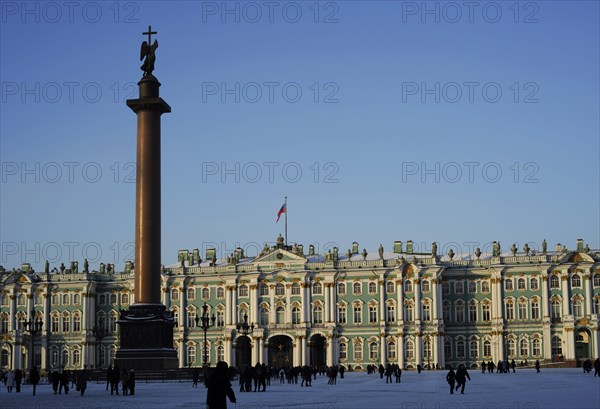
x=132 y=382
x=461 y=378
x=451 y=379
x=219 y=388
x=81 y=381
x=55 y=378
x=19 y=379
x=537 y=366
x=64 y=382
x=34 y=378
x=597 y=367
x=381 y=371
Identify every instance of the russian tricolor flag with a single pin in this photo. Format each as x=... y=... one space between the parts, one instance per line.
x=282 y=210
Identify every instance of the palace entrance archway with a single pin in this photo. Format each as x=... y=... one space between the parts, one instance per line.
x=280 y=351
x=582 y=344
x=243 y=352
x=317 y=350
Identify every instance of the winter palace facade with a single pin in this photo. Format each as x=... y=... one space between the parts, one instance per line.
x=352 y=309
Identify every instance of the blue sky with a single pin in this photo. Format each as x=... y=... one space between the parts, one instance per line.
x=380 y=121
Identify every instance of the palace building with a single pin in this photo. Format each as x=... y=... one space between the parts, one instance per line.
x=303 y=308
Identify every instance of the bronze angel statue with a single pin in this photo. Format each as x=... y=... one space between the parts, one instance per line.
x=148 y=51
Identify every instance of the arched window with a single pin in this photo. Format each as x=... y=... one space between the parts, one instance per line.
x=357 y=314
x=511 y=347
x=576 y=280
x=391 y=351
x=55 y=323
x=76 y=358
x=508 y=284
x=280 y=315
x=473 y=311
x=243 y=313
x=534 y=284
x=472 y=287
x=3 y=323
x=113 y=298
x=191 y=294
x=220 y=293
x=373 y=350
x=535 y=309
x=357 y=288
x=521 y=284
x=243 y=290
x=391 y=313
x=342 y=314
x=264 y=289
x=174 y=294
x=487 y=348
x=76 y=322
x=522 y=309
x=523 y=347
x=279 y=289
x=426 y=312
x=447 y=349
x=66 y=322
x=372 y=288
x=487 y=314
x=408 y=286
x=409 y=350
x=125 y=298
x=596 y=280
x=445 y=287
x=317 y=288
x=459 y=312
x=54 y=357
x=4 y=358
x=65 y=357
x=408 y=312
x=191 y=355
x=318 y=314
x=358 y=350
x=556 y=346
x=473 y=349
x=342 y=288
x=112 y=323
x=427 y=349
x=510 y=310
x=536 y=347
x=554 y=282
x=264 y=316
x=65 y=299
x=390 y=288
x=295 y=315
x=460 y=348
x=577 y=309
x=76 y=299
x=555 y=309
x=295 y=289
x=220 y=317
x=205 y=293
x=220 y=353
x=343 y=350
x=485 y=287
x=446 y=311
x=425 y=287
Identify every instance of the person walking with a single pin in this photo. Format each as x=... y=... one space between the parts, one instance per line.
x=64 y=382
x=461 y=378
x=55 y=379
x=597 y=367
x=451 y=379
x=34 y=378
x=195 y=376
x=537 y=366
x=219 y=388
x=132 y=382
x=81 y=381
x=9 y=380
x=19 y=379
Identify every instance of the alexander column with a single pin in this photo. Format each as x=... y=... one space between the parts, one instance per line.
x=147 y=328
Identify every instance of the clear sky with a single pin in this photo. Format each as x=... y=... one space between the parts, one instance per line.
x=455 y=122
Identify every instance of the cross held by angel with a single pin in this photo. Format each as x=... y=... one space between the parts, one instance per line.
x=148 y=51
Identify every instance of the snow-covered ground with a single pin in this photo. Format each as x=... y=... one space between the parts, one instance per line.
x=525 y=389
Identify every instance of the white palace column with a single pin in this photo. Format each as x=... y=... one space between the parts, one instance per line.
x=417 y=311
x=400 y=351
x=229 y=357
x=234 y=305
x=497 y=316
x=565 y=293
x=12 y=314
x=182 y=307
x=329 y=361
x=256 y=349
x=272 y=306
x=229 y=310
x=382 y=306
x=44 y=334
x=437 y=344
x=400 y=321
x=304 y=298
x=383 y=348
x=328 y=304
x=589 y=293
x=253 y=304
x=304 y=351
x=88 y=321
x=546 y=334
x=296 y=356
x=288 y=303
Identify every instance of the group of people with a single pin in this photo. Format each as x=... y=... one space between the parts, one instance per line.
x=459 y=378
x=60 y=381
x=587 y=367
x=114 y=376
x=389 y=370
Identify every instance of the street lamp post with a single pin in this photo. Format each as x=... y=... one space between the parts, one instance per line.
x=33 y=325
x=99 y=333
x=206 y=324
x=244 y=329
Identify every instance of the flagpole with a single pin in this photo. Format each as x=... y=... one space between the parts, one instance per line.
x=286 y=212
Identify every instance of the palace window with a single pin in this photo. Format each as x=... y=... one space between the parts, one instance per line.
x=4 y=323
x=220 y=353
x=409 y=349
x=54 y=324
x=220 y=293
x=65 y=299
x=485 y=287
x=76 y=299
x=447 y=349
x=391 y=352
x=535 y=309
x=76 y=322
x=597 y=305
x=205 y=293
x=101 y=299
x=113 y=299
x=510 y=310
x=125 y=299
x=65 y=357
x=372 y=314
x=445 y=287
x=243 y=312
x=446 y=312
x=486 y=309
x=295 y=315
x=596 y=280
x=459 y=287
x=534 y=284
x=508 y=284
x=372 y=288
x=243 y=290
x=191 y=318
x=373 y=350
x=425 y=287
x=556 y=346
x=426 y=312
x=220 y=319
x=460 y=348
x=408 y=287
x=536 y=347
x=555 y=309
x=54 y=357
x=459 y=312
x=191 y=355
x=472 y=287
x=576 y=280
x=343 y=350
x=264 y=289
x=473 y=311
x=358 y=352
x=473 y=349
x=390 y=288
x=427 y=349
x=357 y=288
x=391 y=313
x=112 y=323
x=408 y=312
x=522 y=310
x=280 y=315
x=318 y=315
x=317 y=289
x=66 y=323
x=577 y=309
x=342 y=289
x=511 y=347
x=521 y=284
x=342 y=314
x=4 y=299
x=357 y=314
x=524 y=347
x=295 y=289
x=191 y=294
x=554 y=282
x=264 y=316
x=76 y=357
x=280 y=289
x=174 y=294
x=487 y=348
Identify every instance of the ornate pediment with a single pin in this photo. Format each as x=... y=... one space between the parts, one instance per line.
x=279 y=259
